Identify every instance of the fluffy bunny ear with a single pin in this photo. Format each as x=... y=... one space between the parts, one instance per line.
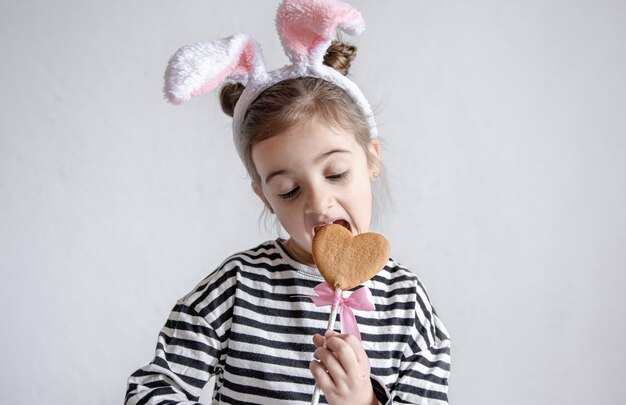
x=306 y=28
x=195 y=69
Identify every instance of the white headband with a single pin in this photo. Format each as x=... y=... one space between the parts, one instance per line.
x=306 y=30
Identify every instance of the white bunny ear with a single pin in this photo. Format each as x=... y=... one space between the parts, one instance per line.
x=195 y=69
x=306 y=28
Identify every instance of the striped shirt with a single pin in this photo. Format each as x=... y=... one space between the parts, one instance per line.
x=249 y=324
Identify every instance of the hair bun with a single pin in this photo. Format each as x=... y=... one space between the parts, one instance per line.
x=229 y=95
x=339 y=55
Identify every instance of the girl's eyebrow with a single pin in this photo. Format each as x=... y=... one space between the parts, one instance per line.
x=327 y=154
x=317 y=160
x=273 y=174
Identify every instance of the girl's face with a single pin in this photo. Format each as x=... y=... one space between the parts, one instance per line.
x=312 y=175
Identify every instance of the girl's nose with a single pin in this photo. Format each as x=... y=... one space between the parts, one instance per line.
x=318 y=201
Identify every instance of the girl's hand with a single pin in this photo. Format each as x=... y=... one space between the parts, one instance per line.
x=342 y=370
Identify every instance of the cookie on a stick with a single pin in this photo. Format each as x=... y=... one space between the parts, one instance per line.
x=346 y=261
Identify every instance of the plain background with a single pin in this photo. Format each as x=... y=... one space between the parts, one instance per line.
x=505 y=143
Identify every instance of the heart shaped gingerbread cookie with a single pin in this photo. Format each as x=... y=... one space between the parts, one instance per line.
x=346 y=261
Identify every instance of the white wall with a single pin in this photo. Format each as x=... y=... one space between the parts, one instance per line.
x=506 y=149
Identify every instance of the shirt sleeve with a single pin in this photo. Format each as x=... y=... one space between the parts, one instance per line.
x=425 y=363
x=189 y=347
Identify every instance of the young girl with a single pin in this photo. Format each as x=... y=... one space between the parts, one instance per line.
x=308 y=140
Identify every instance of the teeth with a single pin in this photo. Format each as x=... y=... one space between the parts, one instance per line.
x=318 y=227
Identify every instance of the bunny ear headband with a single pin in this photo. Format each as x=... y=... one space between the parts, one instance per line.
x=306 y=29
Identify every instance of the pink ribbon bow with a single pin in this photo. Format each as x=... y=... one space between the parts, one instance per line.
x=360 y=299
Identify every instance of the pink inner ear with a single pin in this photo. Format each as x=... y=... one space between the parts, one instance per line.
x=243 y=64
x=301 y=42
x=305 y=25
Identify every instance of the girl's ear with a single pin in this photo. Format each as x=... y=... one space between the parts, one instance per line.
x=374 y=159
x=259 y=192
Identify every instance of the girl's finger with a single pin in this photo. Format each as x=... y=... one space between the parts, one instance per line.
x=357 y=347
x=342 y=347
x=330 y=362
x=323 y=379
x=318 y=340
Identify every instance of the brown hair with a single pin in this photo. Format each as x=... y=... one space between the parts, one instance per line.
x=293 y=101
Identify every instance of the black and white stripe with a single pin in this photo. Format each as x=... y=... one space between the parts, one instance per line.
x=250 y=324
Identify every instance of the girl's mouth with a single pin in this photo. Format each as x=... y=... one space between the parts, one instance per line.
x=341 y=222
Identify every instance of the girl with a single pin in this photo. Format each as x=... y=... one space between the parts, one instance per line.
x=308 y=140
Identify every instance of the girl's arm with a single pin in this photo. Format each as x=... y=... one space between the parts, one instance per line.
x=190 y=344
x=186 y=356
x=425 y=363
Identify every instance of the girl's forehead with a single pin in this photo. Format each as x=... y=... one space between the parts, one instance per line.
x=306 y=139
x=304 y=146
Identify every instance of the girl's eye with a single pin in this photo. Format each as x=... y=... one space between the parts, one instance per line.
x=290 y=194
x=338 y=176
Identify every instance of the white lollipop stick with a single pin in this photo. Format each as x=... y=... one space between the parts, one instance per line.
x=331 y=326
